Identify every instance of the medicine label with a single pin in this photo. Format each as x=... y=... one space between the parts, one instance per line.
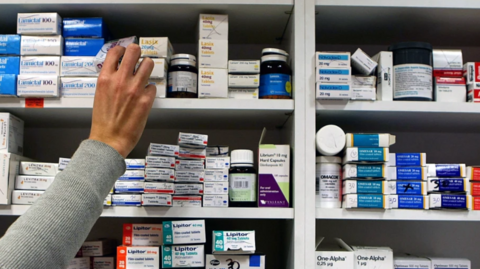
x=233 y=242
x=406 y=187
x=243 y=188
x=184 y=232
x=408 y=202
x=412 y=80
x=142 y=234
x=364 y=186
x=364 y=171
x=408 y=159
x=447 y=184
x=275 y=84
x=446 y=170
x=183 y=256
x=408 y=173
x=181 y=81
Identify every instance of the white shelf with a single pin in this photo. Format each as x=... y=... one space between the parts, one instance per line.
x=399 y=214
x=403 y=3
x=176 y=2
x=176 y=212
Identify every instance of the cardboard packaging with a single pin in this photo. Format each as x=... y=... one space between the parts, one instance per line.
x=42 y=45
x=212 y=83
x=187 y=201
x=412 y=262
x=130 y=257
x=327 y=59
x=216 y=175
x=184 y=232
x=452 y=90
x=373 y=257
x=243 y=93
x=83 y=46
x=408 y=202
x=98 y=248
x=79 y=263
x=453 y=185
x=133 y=175
x=334 y=75
x=156 y=199
x=126 y=199
x=198 y=165
x=363 y=63
x=20 y=197
x=215 y=200
x=407 y=159
x=38 y=183
x=159 y=187
x=353 y=155
x=333 y=91
x=84 y=27
x=377 y=140
x=38 y=169
x=160 y=68
x=103 y=262
x=384 y=75
x=9 y=65
x=243 y=261
x=213 y=54
x=142 y=234
x=78 y=67
x=217 y=162
x=163 y=150
x=447 y=63
x=11 y=134
x=233 y=242
x=133 y=164
x=159 y=174
x=156 y=47
x=213 y=27
x=159 y=162
x=337 y=256
x=446 y=170
x=243 y=81
x=183 y=256
x=39 y=24
x=187 y=189
x=407 y=187
x=364 y=171
x=108 y=200
x=129 y=186
x=10 y=44
x=78 y=86
x=215 y=188
x=379 y=201
x=8 y=85
x=406 y=173
x=9 y=167
x=192 y=153
x=244 y=67
x=62 y=163
x=450 y=263
x=471 y=72
x=102 y=54
x=217 y=151
x=450 y=201
x=189 y=140
x=38 y=86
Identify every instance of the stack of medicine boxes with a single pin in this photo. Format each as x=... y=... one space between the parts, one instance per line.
x=364 y=85
x=243 y=79
x=130 y=186
x=448 y=186
x=160 y=174
x=473 y=174
x=95 y=254
x=213 y=56
x=190 y=170
x=160 y=50
x=9 y=64
x=41 y=48
x=365 y=158
x=32 y=182
x=84 y=37
x=140 y=246
x=333 y=75
x=217 y=164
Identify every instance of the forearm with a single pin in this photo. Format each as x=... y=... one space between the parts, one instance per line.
x=50 y=233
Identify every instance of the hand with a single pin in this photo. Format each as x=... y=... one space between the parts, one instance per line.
x=122 y=99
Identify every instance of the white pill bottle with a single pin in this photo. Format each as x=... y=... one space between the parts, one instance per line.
x=328 y=182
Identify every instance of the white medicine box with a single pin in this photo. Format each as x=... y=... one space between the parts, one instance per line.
x=213 y=54
x=373 y=257
x=212 y=83
x=11 y=134
x=452 y=90
x=9 y=166
x=213 y=26
x=334 y=256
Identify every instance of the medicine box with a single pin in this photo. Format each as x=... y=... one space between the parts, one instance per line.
x=243 y=81
x=181 y=164
x=450 y=201
x=408 y=202
x=156 y=47
x=273 y=174
x=407 y=187
x=163 y=150
x=134 y=164
x=79 y=263
x=471 y=72
x=83 y=46
x=213 y=27
x=326 y=59
x=336 y=256
x=334 y=75
x=379 y=155
x=215 y=200
x=217 y=151
x=333 y=91
x=42 y=45
x=233 y=242
x=407 y=159
x=78 y=86
x=161 y=85
x=475 y=203
x=129 y=186
x=384 y=75
x=98 y=248
x=160 y=68
x=364 y=187
x=38 y=169
x=215 y=188
x=84 y=27
x=243 y=93
x=9 y=165
x=370 y=140
x=38 y=86
x=364 y=88
x=452 y=90
x=447 y=63
x=133 y=257
x=187 y=201
x=10 y=44
x=62 y=163
x=102 y=54
x=159 y=162
x=362 y=94
x=406 y=173
x=8 y=85
x=133 y=175
x=184 y=232
x=191 y=140
x=217 y=162
x=39 y=24
x=11 y=134
x=437 y=184
x=473 y=93
x=159 y=187
x=216 y=175
x=186 y=188
x=410 y=262
x=365 y=201
x=446 y=170
x=363 y=63
x=359 y=171
x=126 y=199
x=159 y=174
x=191 y=176
x=142 y=234
x=244 y=67
x=474 y=188
x=108 y=200
x=367 y=257
x=213 y=54
x=103 y=262
x=244 y=261
x=192 y=153
x=40 y=183
x=78 y=67
x=450 y=263
x=183 y=256
x=153 y=199
x=364 y=81
x=9 y=65
x=21 y=197
x=212 y=83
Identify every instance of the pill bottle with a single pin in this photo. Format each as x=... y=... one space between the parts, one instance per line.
x=412 y=71
x=275 y=77
x=182 y=79
x=273 y=51
x=330 y=140
x=242 y=179
x=328 y=182
x=185 y=56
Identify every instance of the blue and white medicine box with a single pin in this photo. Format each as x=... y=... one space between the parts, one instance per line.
x=370 y=140
x=446 y=170
x=364 y=187
x=437 y=184
x=354 y=171
x=407 y=187
x=10 y=65
x=333 y=91
x=83 y=46
x=450 y=201
x=8 y=85
x=408 y=202
x=133 y=175
x=332 y=59
x=407 y=159
x=10 y=44
x=334 y=75
x=407 y=173
x=375 y=155
x=364 y=201
x=84 y=27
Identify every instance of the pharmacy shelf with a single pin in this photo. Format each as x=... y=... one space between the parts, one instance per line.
x=138 y=2
x=403 y=215
x=410 y=116
x=403 y=3
x=173 y=113
x=178 y=212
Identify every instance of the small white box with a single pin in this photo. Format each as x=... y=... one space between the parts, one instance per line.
x=217 y=162
x=156 y=47
x=161 y=174
x=383 y=257
x=450 y=201
x=133 y=164
x=79 y=263
x=473 y=93
x=191 y=176
x=369 y=94
x=131 y=257
x=217 y=151
x=215 y=188
x=159 y=162
x=78 y=67
x=412 y=262
x=9 y=165
x=184 y=188
x=447 y=63
x=333 y=91
x=233 y=242
x=446 y=170
x=11 y=134
x=244 y=261
x=42 y=45
x=215 y=200
x=98 y=248
x=160 y=68
x=379 y=155
x=213 y=54
x=384 y=75
x=244 y=67
x=338 y=256
x=184 y=232
x=161 y=85
x=163 y=150
x=129 y=186
x=183 y=256
x=192 y=153
x=213 y=26
x=159 y=187
x=78 y=86
x=243 y=81
x=442 y=263
x=364 y=82
x=212 y=83
x=40 y=65
x=451 y=90
x=241 y=93
x=187 y=201
x=190 y=140
x=103 y=262
x=62 y=163
x=39 y=183
x=373 y=201
x=334 y=75
x=216 y=175
x=108 y=200
x=363 y=63
x=152 y=199
x=25 y=197
x=127 y=199
x=38 y=86
x=181 y=164
x=39 y=24
x=38 y=169
x=142 y=234
x=133 y=175
x=326 y=59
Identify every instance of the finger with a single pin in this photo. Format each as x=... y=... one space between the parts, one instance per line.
x=144 y=71
x=151 y=92
x=130 y=60
x=113 y=57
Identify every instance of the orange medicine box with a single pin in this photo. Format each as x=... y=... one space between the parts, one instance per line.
x=473 y=173
x=476 y=203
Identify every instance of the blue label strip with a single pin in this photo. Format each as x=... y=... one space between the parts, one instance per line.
x=365 y=140
x=370 y=201
x=408 y=159
x=371 y=154
x=411 y=201
x=409 y=188
x=409 y=173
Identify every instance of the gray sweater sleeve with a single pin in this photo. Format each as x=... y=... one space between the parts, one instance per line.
x=51 y=232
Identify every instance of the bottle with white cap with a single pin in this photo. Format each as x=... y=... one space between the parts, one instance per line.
x=328 y=182
x=242 y=179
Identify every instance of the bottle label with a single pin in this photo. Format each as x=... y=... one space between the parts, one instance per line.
x=243 y=187
x=329 y=185
x=275 y=84
x=181 y=81
x=412 y=80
